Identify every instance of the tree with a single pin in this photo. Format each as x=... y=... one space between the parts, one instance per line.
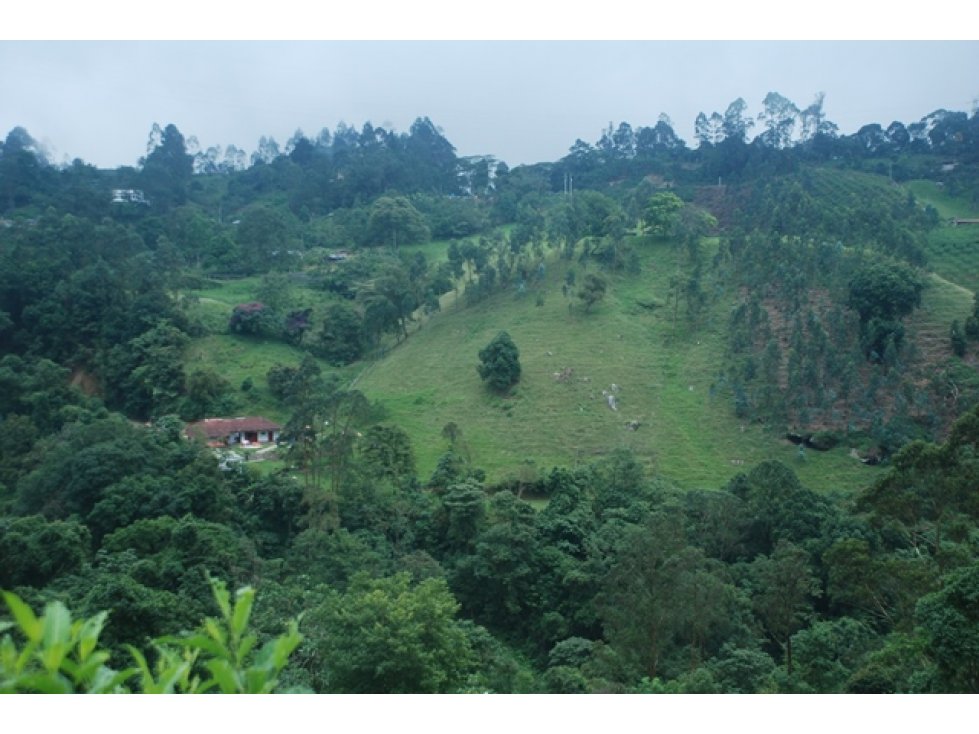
x=145 y=377
x=928 y=490
x=785 y=586
x=36 y=551
x=880 y=588
x=661 y=212
x=949 y=619
x=814 y=122
x=340 y=339
x=167 y=168
x=779 y=116
x=643 y=605
x=275 y=291
x=464 y=512
x=265 y=237
x=828 y=652
x=736 y=122
x=389 y=636
x=883 y=293
x=394 y=221
x=778 y=506
x=295 y=386
x=267 y=151
x=886 y=290
x=325 y=418
x=207 y=394
x=592 y=290
x=500 y=363
x=709 y=130
x=255 y=319
x=389 y=301
x=971 y=322
x=23 y=168
x=387 y=452
x=497 y=581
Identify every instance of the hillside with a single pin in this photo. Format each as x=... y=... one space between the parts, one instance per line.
x=953 y=252
x=664 y=383
x=557 y=415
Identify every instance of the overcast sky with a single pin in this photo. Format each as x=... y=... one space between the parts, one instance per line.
x=520 y=101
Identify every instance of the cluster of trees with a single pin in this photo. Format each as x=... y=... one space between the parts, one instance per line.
x=818 y=343
x=97 y=299
x=446 y=584
x=786 y=136
x=822 y=205
x=334 y=170
x=342 y=169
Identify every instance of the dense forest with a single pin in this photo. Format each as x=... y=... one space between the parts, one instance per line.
x=384 y=548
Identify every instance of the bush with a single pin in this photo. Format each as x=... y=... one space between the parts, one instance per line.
x=341 y=338
x=500 y=363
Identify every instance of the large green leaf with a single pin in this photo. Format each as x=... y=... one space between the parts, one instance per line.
x=224 y=675
x=88 y=635
x=56 y=624
x=243 y=608
x=28 y=623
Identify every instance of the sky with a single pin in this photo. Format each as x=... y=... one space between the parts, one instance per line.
x=521 y=101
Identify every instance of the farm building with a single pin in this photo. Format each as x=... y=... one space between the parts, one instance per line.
x=128 y=196
x=248 y=431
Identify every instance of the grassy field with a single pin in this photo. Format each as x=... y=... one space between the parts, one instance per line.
x=929 y=192
x=663 y=383
x=942 y=301
x=953 y=252
x=237 y=357
x=435 y=250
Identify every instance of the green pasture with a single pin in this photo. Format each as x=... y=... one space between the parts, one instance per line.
x=953 y=252
x=663 y=382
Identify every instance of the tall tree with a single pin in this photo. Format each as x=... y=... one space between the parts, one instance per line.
x=814 y=122
x=949 y=619
x=167 y=168
x=779 y=117
x=737 y=122
x=784 y=589
x=267 y=150
x=709 y=130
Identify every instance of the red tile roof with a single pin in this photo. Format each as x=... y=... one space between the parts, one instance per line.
x=221 y=427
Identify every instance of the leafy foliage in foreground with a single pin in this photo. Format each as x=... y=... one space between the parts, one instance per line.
x=60 y=655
